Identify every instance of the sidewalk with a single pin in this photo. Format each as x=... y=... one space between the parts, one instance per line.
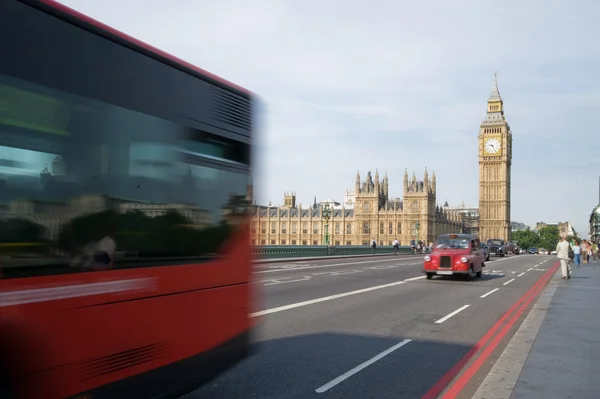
x=556 y=351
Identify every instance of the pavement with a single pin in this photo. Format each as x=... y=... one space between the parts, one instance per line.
x=556 y=352
x=376 y=328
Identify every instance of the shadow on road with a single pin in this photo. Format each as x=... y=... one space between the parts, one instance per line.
x=295 y=367
x=460 y=279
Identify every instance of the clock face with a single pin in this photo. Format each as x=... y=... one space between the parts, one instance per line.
x=366 y=207
x=492 y=146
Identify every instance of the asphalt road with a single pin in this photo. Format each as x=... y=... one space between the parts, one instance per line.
x=376 y=328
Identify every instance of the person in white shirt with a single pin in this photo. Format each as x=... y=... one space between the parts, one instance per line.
x=562 y=253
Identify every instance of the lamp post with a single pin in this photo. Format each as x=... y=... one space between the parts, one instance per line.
x=326 y=214
x=417 y=226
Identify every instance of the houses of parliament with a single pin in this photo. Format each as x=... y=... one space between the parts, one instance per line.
x=373 y=215
x=370 y=213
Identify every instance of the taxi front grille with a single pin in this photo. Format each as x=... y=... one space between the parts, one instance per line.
x=445 y=261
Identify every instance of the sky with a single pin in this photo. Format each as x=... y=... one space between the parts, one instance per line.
x=347 y=85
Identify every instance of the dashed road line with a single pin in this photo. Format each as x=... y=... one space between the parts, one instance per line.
x=360 y=367
x=521 y=274
x=489 y=293
x=449 y=315
x=509 y=281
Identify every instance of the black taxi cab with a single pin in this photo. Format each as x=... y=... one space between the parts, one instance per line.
x=455 y=254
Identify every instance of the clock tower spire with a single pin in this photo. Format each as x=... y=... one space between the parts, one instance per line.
x=495 y=160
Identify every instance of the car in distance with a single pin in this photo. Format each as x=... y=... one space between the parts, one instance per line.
x=455 y=255
x=511 y=247
x=496 y=247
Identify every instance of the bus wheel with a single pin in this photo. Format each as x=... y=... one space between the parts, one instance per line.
x=429 y=276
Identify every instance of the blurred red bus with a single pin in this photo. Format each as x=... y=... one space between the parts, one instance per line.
x=124 y=189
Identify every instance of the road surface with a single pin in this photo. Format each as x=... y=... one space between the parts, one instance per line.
x=375 y=327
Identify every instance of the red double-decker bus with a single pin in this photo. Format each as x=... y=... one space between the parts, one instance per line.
x=124 y=186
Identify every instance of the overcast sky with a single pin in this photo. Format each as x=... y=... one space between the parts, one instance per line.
x=388 y=85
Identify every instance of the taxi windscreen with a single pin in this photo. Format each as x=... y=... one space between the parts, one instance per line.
x=452 y=243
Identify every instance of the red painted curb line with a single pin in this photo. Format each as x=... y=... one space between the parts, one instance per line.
x=525 y=300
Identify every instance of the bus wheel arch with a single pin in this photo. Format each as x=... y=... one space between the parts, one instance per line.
x=20 y=351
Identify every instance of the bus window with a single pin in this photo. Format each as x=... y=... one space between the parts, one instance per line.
x=76 y=173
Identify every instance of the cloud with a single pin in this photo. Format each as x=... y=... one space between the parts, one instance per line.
x=350 y=85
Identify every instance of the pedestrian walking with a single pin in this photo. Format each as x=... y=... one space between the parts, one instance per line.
x=577 y=252
x=396 y=246
x=563 y=249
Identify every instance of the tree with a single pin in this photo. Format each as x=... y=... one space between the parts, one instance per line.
x=20 y=231
x=526 y=238
x=549 y=237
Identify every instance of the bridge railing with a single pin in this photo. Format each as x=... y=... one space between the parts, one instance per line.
x=300 y=251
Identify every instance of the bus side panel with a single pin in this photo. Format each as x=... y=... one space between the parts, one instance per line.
x=103 y=338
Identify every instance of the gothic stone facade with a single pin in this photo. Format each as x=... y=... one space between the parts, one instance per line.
x=374 y=215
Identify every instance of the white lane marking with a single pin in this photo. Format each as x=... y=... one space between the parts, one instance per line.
x=339 y=273
x=509 y=281
x=513 y=272
x=9 y=298
x=382 y=267
x=501 y=259
x=360 y=367
x=530 y=269
x=489 y=293
x=521 y=274
x=540 y=270
x=457 y=311
x=415 y=278
x=279 y=281
x=323 y=299
x=287 y=269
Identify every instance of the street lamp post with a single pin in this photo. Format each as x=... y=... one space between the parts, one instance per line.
x=326 y=214
x=417 y=226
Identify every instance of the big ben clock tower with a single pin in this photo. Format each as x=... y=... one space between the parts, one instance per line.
x=495 y=158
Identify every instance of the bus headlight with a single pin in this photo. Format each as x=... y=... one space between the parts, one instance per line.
x=463 y=259
x=427 y=258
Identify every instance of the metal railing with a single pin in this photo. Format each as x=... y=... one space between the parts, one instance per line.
x=299 y=251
